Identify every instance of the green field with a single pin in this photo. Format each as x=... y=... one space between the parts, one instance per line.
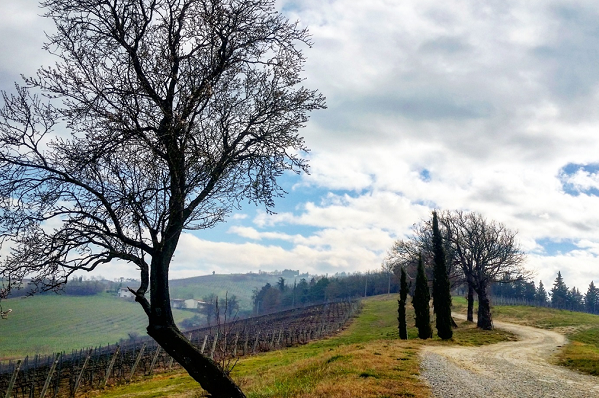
x=53 y=323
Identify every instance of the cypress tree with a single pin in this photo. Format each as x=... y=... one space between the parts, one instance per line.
x=401 y=310
x=441 y=285
x=420 y=302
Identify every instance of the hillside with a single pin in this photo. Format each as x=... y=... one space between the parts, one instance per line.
x=365 y=360
x=240 y=285
x=52 y=323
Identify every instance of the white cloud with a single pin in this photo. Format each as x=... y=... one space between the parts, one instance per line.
x=455 y=105
x=196 y=256
x=577 y=268
x=22 y=31
x=583 y=180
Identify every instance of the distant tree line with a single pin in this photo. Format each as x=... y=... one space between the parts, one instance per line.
x=285 y=294
x=559 y=296
x=76 y=286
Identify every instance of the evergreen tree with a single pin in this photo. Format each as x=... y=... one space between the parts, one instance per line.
x=420 y=301
x=591 y=299
x=281 y=285
x=575 y=299
x=541 y=294
x=559 y=292
x=530 y=291
x=401 y=310
x=441 y=285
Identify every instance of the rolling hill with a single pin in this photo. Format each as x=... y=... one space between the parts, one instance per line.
x=51 y=323
x=240 y=285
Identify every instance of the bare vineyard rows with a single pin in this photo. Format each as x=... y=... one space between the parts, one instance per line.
x=65 y=375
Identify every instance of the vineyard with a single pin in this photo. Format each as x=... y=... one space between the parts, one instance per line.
x=65 y=375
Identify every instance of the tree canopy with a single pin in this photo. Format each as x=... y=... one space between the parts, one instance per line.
x=158 y=116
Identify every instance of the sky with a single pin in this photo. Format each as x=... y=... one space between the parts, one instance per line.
x=486 y=106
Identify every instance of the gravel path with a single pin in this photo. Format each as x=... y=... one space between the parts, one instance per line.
x=510 y=369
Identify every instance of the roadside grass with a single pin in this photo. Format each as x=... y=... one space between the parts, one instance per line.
x=54 y=323
x=582 y=329
x=367 y=359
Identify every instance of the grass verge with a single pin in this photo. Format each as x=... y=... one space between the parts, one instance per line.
x=365 y=360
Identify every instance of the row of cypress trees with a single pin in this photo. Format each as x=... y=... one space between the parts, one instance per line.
x=421 y=299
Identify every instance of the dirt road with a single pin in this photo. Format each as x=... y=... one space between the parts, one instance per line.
x=511 y=369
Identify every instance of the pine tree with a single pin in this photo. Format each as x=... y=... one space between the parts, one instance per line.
x=575 y=299
x=401 y=310
x=441 y=285
x=591 y=299
x=420 y=301
x=541 y=294
x=559 y=292
x=530 y=291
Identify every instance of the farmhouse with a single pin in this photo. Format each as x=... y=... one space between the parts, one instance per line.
x=125 y=293
x=187 y=304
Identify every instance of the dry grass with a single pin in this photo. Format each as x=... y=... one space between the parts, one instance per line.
x=383 y=368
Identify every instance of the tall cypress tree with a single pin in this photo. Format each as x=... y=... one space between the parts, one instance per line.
x=401 y=310
x=420 y=302
x=441 y=285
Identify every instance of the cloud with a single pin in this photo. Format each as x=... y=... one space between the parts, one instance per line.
x=22 y=29
x=491 y=107
x=197 y=256
x=580 y=179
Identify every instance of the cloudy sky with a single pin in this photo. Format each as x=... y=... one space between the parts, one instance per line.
x=487 y=106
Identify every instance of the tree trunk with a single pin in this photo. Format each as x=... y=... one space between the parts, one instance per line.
x=201 y=368
x=403 y=295
x=470 y=315
x=162 y=328
x=485 y=321
x=401 y=317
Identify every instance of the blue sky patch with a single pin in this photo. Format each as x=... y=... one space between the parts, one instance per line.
x=579 y=179
x=553 y=247
x=425 y=175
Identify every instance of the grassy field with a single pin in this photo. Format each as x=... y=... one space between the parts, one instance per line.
x=582 y=353
x=366 y=360
x=53 y=323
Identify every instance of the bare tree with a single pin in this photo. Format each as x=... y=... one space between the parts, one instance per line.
x=486 y=251
x=405 y=253
x=478 y=252
x=176 y=111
